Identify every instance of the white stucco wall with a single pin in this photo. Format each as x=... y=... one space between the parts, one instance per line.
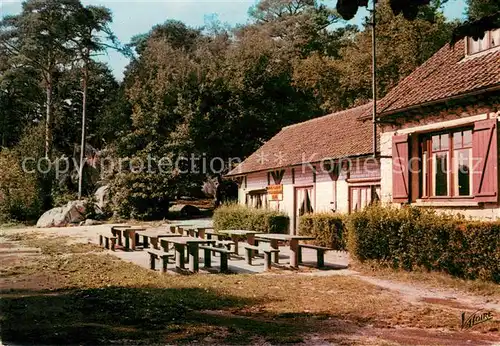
x=327 y=195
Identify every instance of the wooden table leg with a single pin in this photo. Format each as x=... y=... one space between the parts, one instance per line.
x=201 y=233
x=294 y=248
x=127 y=241
x=251 y=241
x=235 y=239
x=132 y=240
x=274 y=245
x=154 y=243
x=120 y=237
x=179 y=256
x=145 y=241
x=193 y=257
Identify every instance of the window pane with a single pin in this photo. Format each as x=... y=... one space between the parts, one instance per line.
x=495 y=38
x=445 y=142
x=435 y=143
x=457 y=140
x=468 y=138
x=472 y=45
x=441 y=174
x=424 y=174
x=463 y=172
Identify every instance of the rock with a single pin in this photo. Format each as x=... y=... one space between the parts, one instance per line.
x=73 y=212
x=186 y=210
x=102 y=197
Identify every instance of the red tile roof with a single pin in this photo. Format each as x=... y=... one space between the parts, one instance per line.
x=447 y=74
x=333 y=136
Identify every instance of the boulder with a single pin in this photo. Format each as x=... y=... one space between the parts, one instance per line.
x=73 y=212
x=102 y=197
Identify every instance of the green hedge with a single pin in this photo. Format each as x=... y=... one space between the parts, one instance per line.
x=233 y=216
x=327 y=228
x=409 y=238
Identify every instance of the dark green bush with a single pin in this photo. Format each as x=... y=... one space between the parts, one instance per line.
x=410 y=238
x=327 y=228
x=24 y=196
x=140 y=196
x=233 y=216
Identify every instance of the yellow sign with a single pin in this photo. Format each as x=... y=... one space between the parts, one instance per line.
x=275 y=192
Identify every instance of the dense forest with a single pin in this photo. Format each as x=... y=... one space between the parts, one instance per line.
x=209 y=92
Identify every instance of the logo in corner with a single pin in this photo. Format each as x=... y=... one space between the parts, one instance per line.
x=474 y=319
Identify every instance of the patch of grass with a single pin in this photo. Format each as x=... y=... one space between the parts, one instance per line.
x=98 y=299
x=51 y=245
x=11 y=225
x=430 y=279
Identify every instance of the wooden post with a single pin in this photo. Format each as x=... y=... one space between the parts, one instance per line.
x=152 y=261
x=193 y=257
x=223 y=262
x=294 y=244
x=249 y=255
x=179 y=256
x=207 y=258
x=320 y=254
x=267 y=260
x=274 y=245
x=165 y=263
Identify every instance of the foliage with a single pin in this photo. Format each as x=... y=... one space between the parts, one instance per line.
x=141 y=196
x=477 y=9
x=402 y=46
x=19 y=200
x=476 y=28
x=327 y=228
x=410 y=9
x=409 y=238
x=234 y=216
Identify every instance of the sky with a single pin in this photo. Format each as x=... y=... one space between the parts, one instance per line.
x=136 y=17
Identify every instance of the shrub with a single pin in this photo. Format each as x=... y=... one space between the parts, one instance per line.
x=234 y=216
x=19 y=195
x=327 y=228
x=140 y=196
x=409 y=238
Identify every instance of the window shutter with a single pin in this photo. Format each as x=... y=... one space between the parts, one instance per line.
x=485 y=160
x=400 y=176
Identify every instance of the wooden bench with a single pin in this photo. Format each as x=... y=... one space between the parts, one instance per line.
x=224 y=254
x=320 y=253
x=250 y=250
x=212 y=234
x=256 y=242
x=225 y=243
x=156 y=255
x=109 y=242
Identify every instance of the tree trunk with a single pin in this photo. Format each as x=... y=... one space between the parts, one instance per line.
x=84 y=115
x=49 y=120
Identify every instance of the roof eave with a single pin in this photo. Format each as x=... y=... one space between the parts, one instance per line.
x=434 y=102
x=233 y=175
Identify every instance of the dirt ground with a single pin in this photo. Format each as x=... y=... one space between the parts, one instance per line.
x=59 y=290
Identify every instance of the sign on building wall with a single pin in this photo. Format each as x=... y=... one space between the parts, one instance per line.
x=275 y=192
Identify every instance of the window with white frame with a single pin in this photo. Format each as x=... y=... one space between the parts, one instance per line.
x=490 y=40
x=257 y=199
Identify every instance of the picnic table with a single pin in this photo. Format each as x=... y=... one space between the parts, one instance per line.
x=130 y=235
x=192 y=244
x=153 y=235
x=235 y=234
x=183 y=230
x=117 y=232
x=294 y=245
